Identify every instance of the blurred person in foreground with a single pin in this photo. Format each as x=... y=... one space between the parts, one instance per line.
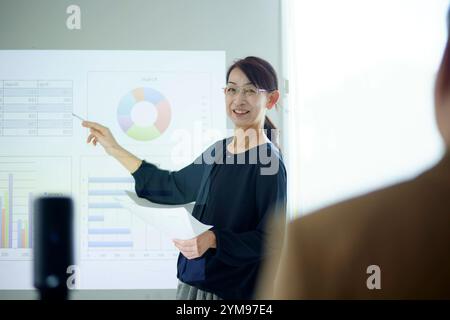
x=393 y=243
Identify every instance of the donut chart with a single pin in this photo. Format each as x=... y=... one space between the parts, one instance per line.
x=139 y=132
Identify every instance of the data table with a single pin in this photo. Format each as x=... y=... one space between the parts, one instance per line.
x=36 y=108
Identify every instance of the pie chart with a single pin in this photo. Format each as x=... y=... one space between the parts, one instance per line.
x=144 y=114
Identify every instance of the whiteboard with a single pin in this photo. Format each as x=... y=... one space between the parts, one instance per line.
x=163 y=106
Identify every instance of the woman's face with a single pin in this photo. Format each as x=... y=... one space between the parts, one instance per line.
x=245 y=106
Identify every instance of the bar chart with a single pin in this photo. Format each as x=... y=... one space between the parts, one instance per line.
x=21 y=180
x=16 y=185
x=111 y=231
x=22 y=224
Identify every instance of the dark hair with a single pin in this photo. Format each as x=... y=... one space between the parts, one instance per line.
x=443 y=78
x=263 y=76
x=448 y=19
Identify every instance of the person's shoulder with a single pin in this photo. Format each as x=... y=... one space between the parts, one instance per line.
x=357 y=212
x=412 y=194
x=339 y=240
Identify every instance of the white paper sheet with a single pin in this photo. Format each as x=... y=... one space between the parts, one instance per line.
x=174 y=221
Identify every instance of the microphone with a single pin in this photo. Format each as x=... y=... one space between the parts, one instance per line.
x=52 y=245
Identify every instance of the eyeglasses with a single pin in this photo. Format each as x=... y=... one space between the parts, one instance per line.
x=249 y=91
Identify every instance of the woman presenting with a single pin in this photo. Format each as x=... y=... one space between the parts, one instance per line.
x=237 y=185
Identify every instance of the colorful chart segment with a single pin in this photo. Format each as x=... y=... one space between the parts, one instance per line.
x=144 y=133
x=24 y=226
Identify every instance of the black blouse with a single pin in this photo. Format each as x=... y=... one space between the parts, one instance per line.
x=236 y=193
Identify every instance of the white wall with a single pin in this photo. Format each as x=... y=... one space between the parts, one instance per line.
x=363 y=114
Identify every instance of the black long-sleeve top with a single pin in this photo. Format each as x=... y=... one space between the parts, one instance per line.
x=234 y=193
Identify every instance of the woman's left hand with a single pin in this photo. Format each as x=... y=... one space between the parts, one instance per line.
x=196 y=247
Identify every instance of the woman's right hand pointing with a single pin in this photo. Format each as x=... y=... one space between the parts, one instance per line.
x=101 y=135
